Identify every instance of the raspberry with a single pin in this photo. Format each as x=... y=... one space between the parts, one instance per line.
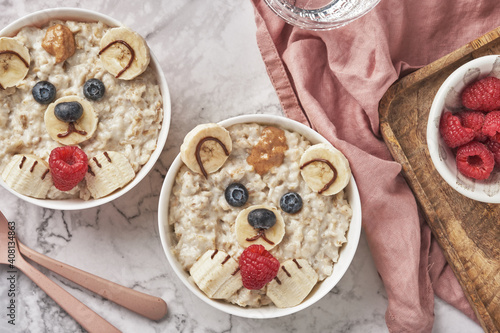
x=473 y=120
x=482 y=95
x=452 y=131
x=474 y=160
x=68 y=166
x=494 y=147
x=491 y=125
x=257 y=267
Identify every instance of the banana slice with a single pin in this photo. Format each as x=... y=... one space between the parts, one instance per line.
x=28 y=175
x=108 y=171
x=217 y=274
x=206 y=148
x=325 y=169
x=247 y=235
x=294 y=282
x=124 y=53
x=14 y=62
x=71 y=133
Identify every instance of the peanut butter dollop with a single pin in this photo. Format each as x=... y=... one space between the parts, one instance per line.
x=269 y=150
x=59 y=42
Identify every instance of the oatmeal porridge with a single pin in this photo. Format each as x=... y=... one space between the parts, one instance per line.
x=252 y=187
x=113 y=117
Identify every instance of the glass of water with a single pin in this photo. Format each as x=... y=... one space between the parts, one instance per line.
x=320 y=14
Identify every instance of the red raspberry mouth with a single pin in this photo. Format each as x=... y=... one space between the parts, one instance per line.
x=258 y=267
x=68 y=166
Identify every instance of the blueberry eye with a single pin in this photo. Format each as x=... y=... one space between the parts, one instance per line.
x=261 y=218
x=236 y=194
x=94 y=89
x=68 y=111
x=291 y=203
x=44 y=92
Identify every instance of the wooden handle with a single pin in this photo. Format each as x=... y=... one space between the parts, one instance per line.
x=87 y=318
x=146 y=305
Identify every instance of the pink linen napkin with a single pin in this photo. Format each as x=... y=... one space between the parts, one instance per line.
x=333 y=81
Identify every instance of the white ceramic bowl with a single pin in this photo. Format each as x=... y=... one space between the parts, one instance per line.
x=42 y=17
x=346 y=254
x=448 y=98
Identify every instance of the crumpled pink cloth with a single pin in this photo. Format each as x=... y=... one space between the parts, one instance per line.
x=334 y=80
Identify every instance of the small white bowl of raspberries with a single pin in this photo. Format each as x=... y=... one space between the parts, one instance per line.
x=463 y=130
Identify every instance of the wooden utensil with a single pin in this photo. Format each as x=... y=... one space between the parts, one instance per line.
x=9 y=255
x=146 y=305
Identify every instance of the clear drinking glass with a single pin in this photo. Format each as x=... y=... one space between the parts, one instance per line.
x=321 y=14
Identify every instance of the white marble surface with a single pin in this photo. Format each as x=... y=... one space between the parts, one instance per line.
x=213 y=67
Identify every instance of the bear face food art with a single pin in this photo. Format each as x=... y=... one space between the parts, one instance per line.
x=81 y=84
x=252 y=196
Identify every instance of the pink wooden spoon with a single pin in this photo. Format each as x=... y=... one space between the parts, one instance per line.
x=9 y=255
x=146 y=305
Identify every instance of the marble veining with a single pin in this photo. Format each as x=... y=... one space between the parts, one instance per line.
x=208 y=52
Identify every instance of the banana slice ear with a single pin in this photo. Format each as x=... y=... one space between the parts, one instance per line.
x=325 y=169
x=14 y=62
x=124 y=53
x=206 y=148
x=71 y=133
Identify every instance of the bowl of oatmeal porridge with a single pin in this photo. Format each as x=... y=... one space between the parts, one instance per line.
x=120 y=120
x=204 y=233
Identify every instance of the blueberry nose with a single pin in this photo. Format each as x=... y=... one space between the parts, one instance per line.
x=261 y=218
x=68 y=111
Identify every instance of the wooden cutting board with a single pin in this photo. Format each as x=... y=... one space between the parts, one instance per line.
x=468 y=231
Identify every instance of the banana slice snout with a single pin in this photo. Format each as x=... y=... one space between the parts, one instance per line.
x=247 y=234
x=71 y=132
x=325 y=169
x=28 y=175
x=295 y=280
x=107 y=172
x=124 y=53
x=14 y=62
x=206 y=148
x=217 y=274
